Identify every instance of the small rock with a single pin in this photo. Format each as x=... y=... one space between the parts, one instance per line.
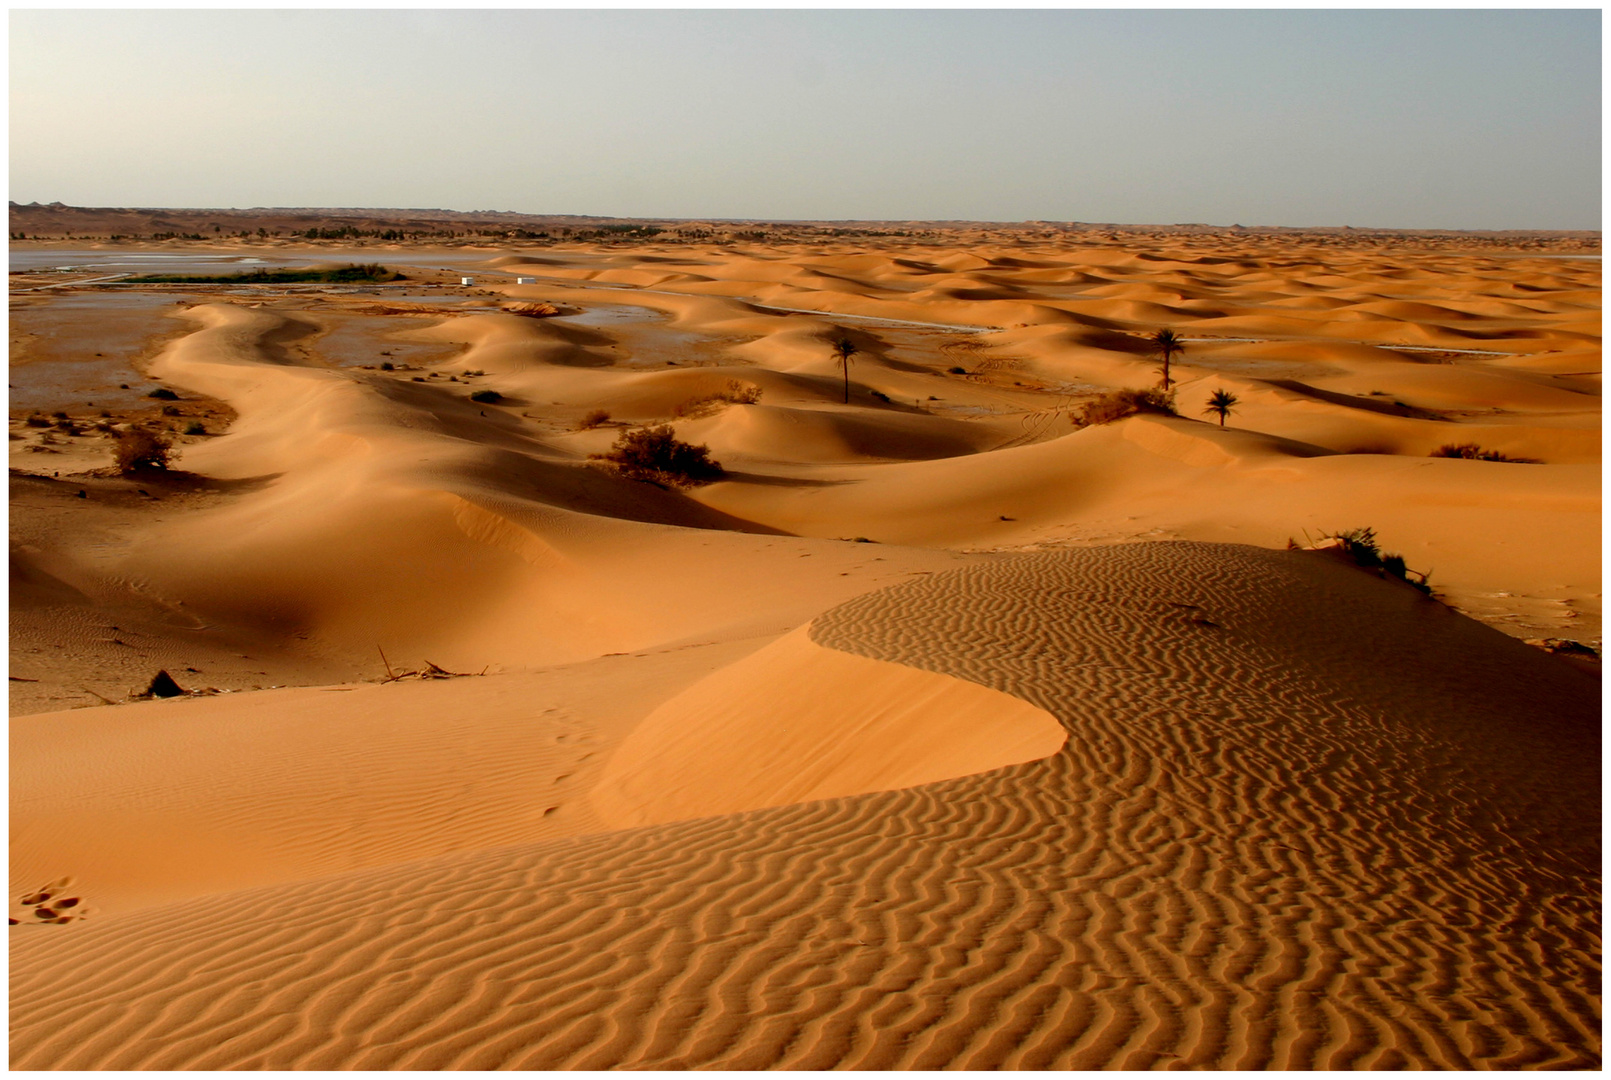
x=164 y=686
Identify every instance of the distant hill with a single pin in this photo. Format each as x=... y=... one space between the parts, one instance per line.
x=57 y=221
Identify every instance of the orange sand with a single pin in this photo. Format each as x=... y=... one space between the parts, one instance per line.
x=1015 y=785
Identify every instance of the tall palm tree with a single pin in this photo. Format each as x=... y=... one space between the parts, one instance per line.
x=1222 y=402
x=1168 y=346
x=844 y=350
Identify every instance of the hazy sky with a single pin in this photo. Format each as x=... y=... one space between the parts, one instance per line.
x=1449 y=119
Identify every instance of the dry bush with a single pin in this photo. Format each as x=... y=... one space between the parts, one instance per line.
x=1117 y=404
x=595 y=418
x=1361 y=546
x=734 y=393
x=1473 y=452
x=656 y=456
x=138 y=450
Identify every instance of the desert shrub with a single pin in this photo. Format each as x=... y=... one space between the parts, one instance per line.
x=195 y=427
x=734 y=393
x=387 y=365
x=486 y=397
x=595 y=418
x=162 y=393
x=1473 y=452
x=37 y=421
x=656 y=456
x=138 y=450
x=957 y=370
x=171 y=410
x=1117 y=404
x=1361 y=546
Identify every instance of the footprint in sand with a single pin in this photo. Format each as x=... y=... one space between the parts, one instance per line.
x=50 y=905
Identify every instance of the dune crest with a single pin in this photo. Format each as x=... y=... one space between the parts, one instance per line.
x=796 y=722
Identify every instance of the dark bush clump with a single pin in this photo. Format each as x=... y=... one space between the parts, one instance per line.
x=594 y=418
x=195 y=427
x=1361 y=546
x=162 y=393
x=1473 y=452
x=656 y=456
x=138 y=450
x=957 y=370
x=486 y=397
x=37 y=421
x=1117 y=404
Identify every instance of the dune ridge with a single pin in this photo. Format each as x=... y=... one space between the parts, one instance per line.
x=1341 y=851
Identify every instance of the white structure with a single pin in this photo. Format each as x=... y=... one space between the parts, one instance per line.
x=525 y=281
x=467 y=281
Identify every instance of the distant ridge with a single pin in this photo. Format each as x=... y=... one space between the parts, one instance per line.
x=57 y=220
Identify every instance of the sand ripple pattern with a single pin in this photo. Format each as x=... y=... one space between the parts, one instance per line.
x=1303 y=819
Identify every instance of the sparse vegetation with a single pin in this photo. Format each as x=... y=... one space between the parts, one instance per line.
x=195 y=427
x=1361 y=546
x=137 y=450
x=1117 y=404
x=734 y=393
x=656 y=456
x=957 y=369
x=162 y=393
x=1473 y=452
x=595 y=418
x=367 y=272
x=486 y=397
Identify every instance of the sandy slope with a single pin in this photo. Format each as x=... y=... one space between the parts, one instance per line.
x=1000 y=785
x=1303 y=818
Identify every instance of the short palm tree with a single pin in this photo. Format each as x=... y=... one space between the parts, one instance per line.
x=1222 y=402
x=844 y=350
x=1168 y=345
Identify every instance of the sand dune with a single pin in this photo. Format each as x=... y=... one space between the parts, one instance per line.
x=1210 y=873
x=940 y=732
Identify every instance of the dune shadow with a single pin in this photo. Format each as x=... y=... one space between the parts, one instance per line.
x=764 y=480
x=1348 y=401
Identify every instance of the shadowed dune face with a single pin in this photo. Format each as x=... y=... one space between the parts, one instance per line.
x=1286 y=816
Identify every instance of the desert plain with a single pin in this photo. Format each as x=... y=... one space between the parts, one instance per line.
x=941 y=731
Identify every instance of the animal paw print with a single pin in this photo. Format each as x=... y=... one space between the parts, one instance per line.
x=53 y=903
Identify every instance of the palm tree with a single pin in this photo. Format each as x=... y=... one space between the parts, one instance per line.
x=844 y=350
x=1222 y=402
x=1168 y=345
